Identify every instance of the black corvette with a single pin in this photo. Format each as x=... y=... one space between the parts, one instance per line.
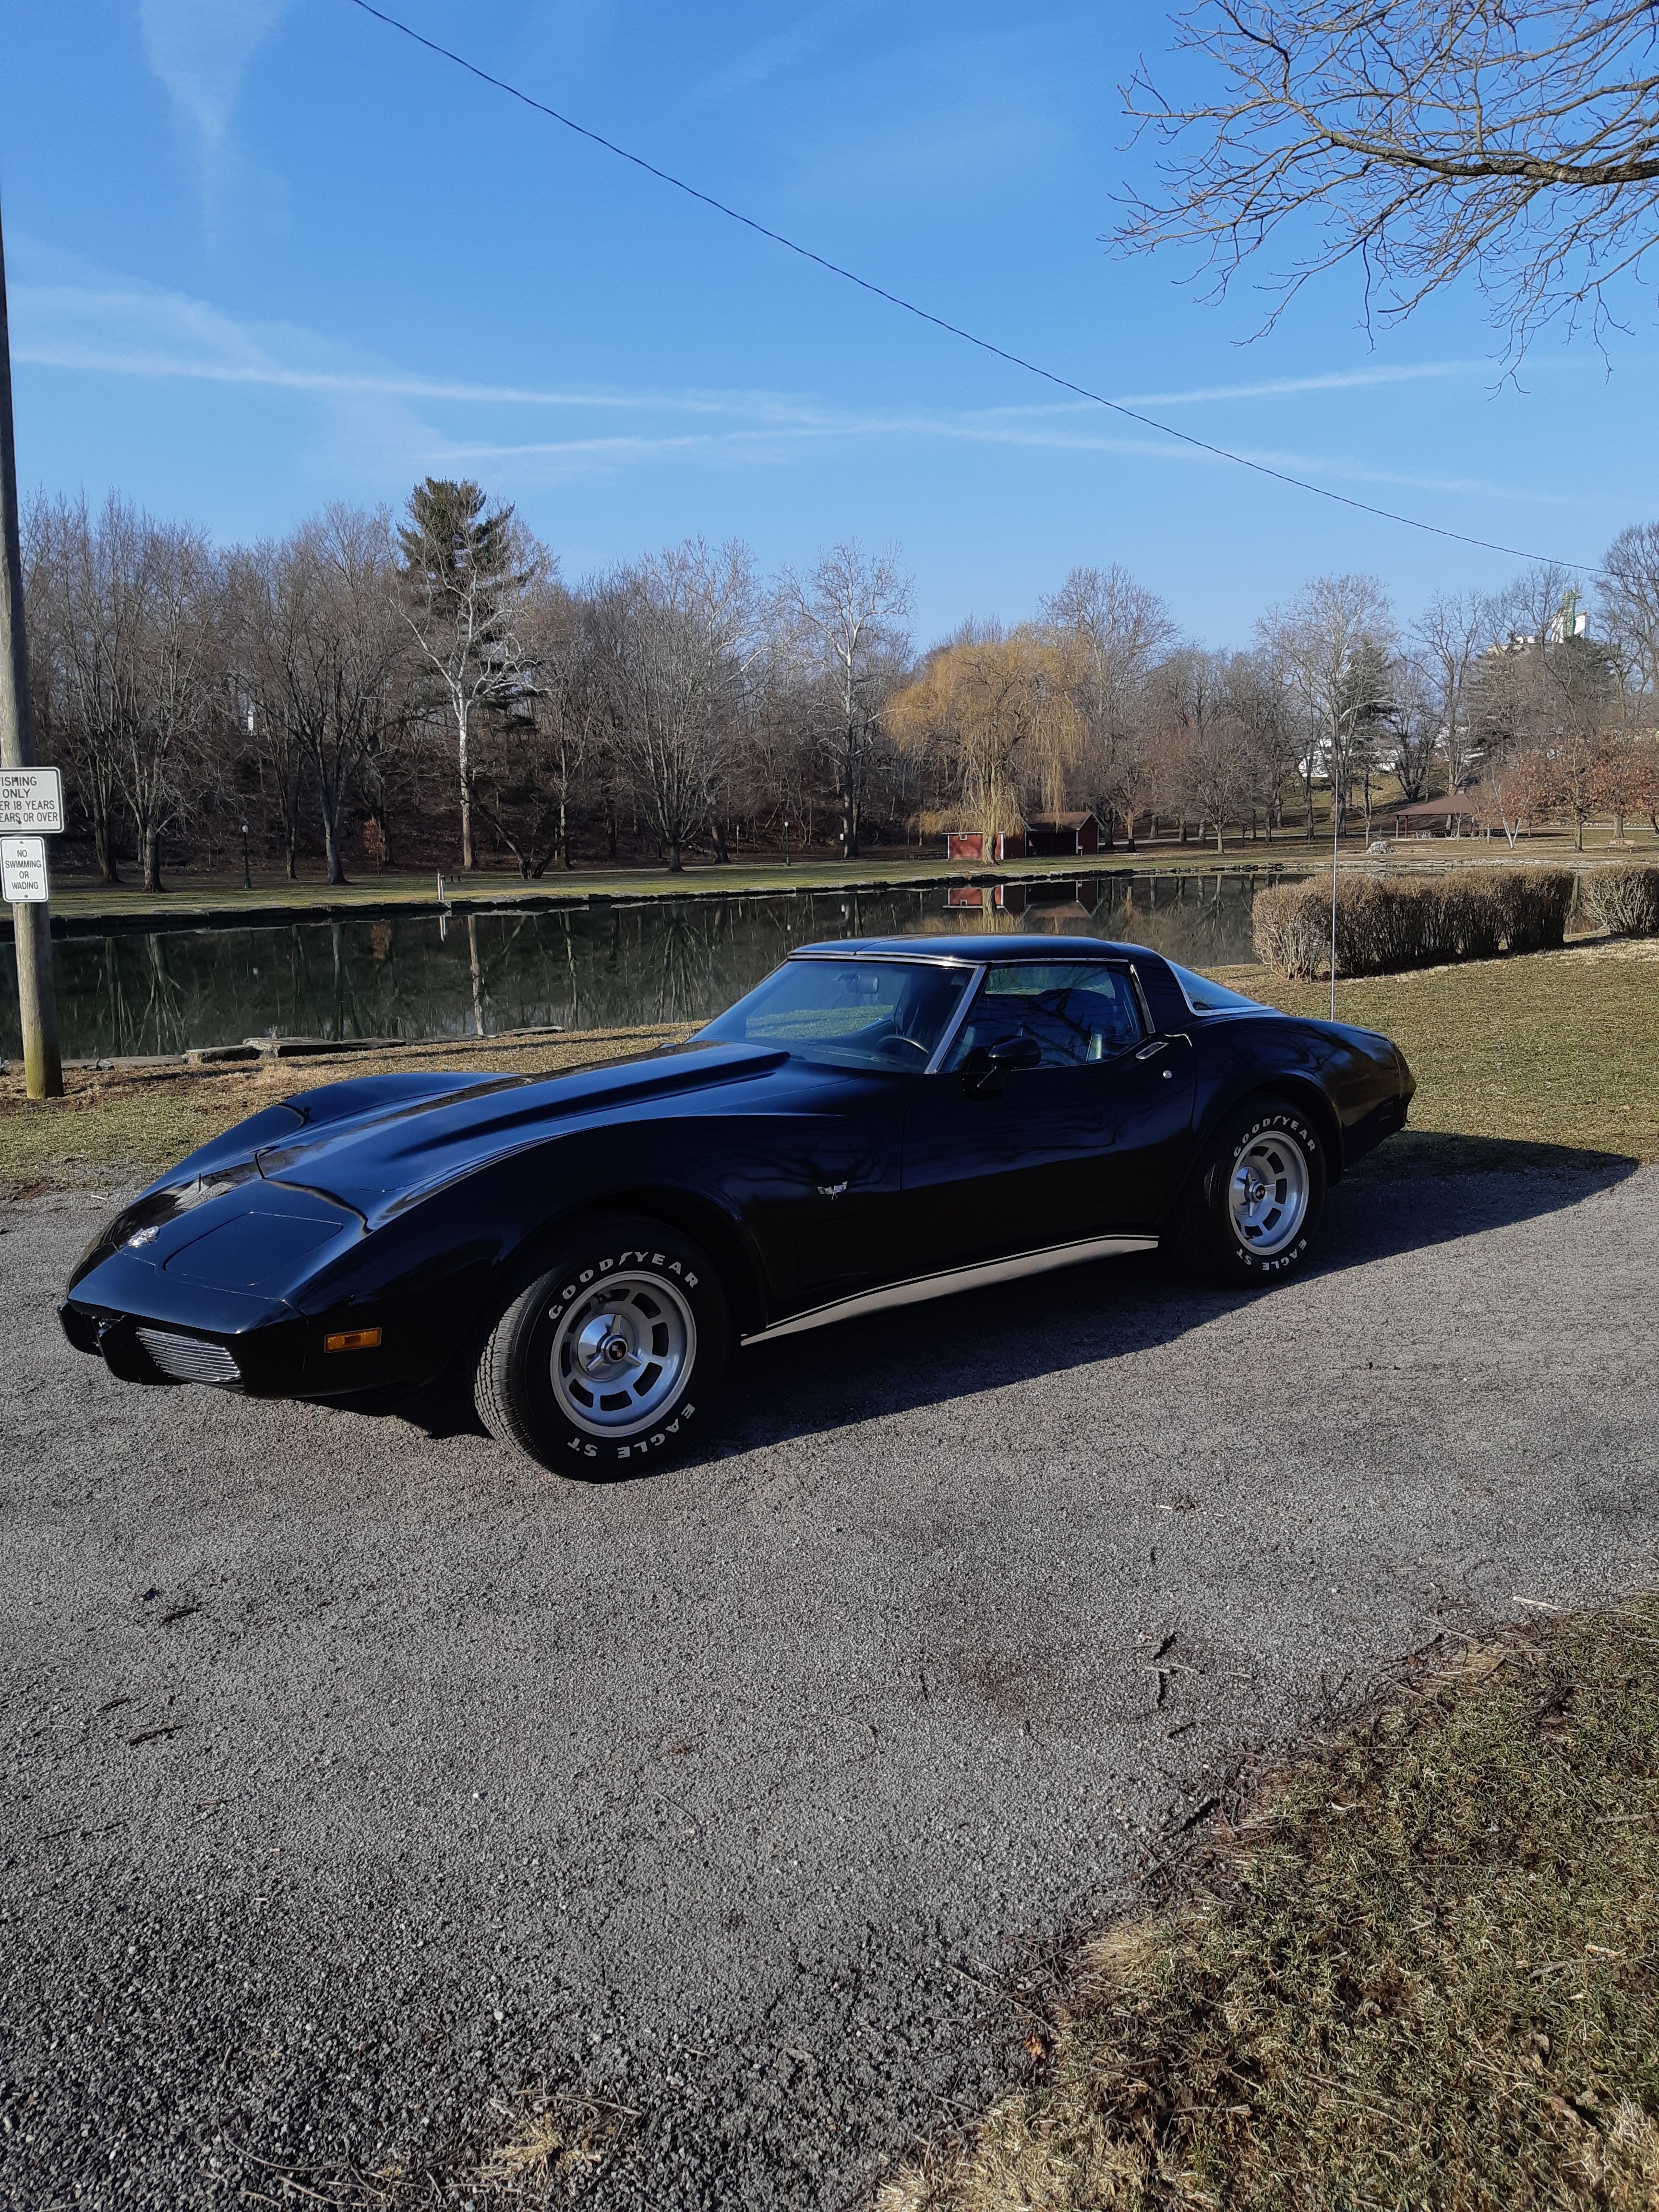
x=876 y=1123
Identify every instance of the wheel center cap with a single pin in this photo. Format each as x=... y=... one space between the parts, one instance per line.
x=617 y=1348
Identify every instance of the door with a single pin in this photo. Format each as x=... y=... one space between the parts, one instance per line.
x=818 y=1185
x=1095 y=1138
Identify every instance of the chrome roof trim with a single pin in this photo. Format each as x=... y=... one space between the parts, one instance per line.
x=851 y=948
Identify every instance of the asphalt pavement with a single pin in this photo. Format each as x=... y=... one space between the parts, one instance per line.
x=362 y=1782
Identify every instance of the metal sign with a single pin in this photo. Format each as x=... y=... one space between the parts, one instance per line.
x=23 y=870
x=32 y=801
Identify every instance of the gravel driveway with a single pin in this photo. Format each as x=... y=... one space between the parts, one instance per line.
x=360 y=1781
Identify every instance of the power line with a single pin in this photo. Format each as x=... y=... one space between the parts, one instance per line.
x=953 y=330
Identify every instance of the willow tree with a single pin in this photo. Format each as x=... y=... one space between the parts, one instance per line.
x=996 y=718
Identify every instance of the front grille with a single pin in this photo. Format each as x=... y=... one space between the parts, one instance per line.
x=187 y=1358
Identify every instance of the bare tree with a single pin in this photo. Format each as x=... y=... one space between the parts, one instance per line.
x=1205 y=740
x=71 y=664
x=84 y=612
x=1328 y=643
x=1272 y=731
x=269 y=751
x=133 y=607
x=173 y=698
x=678 y=638
x=1629 y=593
x=1450 y=635
x=1548 y=696
x=847 y=617
x=467 y=567
x=1414 y=719
x=329 y=653
x=1111 y=631
x=532 y=750
x=1516 y=141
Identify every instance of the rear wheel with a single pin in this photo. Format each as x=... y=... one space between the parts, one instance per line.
x=606 y=1363
x=1251 y=1211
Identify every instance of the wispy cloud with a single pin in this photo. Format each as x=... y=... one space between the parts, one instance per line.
x=71 y=320
x=779 y=439
x=784 y=50
x=1334 y=379
x=200 y=49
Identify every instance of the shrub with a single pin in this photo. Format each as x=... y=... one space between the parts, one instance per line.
x=1381 y=926
x=1625 y=900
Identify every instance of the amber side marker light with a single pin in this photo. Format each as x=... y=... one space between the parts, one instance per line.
x=353 y=1340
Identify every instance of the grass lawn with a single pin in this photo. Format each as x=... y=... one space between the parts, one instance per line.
x=1422 y=1971
x=1513 y=1058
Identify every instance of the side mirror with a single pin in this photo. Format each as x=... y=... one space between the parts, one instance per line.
x=984 y=1074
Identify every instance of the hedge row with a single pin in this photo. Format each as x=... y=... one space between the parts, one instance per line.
x=1625 y=900
x=1381 y=925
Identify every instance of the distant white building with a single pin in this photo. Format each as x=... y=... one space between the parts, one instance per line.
x=1570 y=620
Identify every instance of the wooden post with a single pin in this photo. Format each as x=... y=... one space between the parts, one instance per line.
x=43 y=1072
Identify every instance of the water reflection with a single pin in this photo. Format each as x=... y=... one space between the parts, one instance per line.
x=657 y=960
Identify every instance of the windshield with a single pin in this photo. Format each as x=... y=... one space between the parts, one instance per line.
x=853 y=1013
x=1205 y=997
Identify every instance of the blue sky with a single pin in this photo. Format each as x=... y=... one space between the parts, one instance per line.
x=264 y=253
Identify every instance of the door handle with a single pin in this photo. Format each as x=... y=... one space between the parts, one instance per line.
x=1150 y=1051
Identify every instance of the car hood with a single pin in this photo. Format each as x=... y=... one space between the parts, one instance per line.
x=379 y=1153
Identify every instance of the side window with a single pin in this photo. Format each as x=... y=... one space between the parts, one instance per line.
x=1073 y=1012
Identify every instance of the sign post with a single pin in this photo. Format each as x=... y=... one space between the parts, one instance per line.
x=43 y=1070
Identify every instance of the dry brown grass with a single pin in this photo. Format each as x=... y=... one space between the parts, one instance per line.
x=552 y=2145
x=1423 y=1970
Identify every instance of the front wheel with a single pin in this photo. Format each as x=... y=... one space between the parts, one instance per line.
x=606 y=1365
x=1250 y=1213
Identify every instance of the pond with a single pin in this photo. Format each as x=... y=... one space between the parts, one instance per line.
x=601 y=965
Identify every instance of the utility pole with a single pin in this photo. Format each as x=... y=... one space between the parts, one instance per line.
x=43 y=1070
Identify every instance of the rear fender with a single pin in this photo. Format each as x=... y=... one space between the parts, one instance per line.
x=1296 y=1090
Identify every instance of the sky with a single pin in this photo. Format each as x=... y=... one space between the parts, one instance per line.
x=267 y=254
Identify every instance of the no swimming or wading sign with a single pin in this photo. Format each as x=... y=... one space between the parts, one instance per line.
x=23 y=867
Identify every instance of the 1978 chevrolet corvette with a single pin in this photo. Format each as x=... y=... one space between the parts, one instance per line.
x=877 y=1122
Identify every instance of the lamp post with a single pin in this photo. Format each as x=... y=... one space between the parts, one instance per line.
x=247 y=880
x=785 y=841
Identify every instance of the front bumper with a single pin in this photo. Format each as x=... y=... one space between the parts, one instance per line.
x=268 y=1362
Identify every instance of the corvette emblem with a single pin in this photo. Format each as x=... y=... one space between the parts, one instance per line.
x=831 y=1189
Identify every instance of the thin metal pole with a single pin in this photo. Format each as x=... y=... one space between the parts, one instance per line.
x=1335 y=847
x=43 y=1070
